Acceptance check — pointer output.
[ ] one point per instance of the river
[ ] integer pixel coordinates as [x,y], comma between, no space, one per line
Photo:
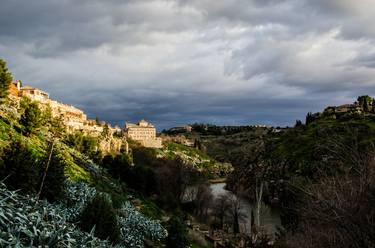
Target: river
[269,218]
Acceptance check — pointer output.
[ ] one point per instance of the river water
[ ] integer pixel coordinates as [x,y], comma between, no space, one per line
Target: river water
[269,217]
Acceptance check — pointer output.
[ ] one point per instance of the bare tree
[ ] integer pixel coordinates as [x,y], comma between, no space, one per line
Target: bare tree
[234,212]
[338,211]
[203,200]
[220,208]
[258,195]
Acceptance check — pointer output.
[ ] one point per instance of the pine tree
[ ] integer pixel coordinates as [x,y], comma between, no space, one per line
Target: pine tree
[100,214]
[365,105]
[53,188]
[31,119]
[177,234]
[309,118]
[5,79]
[20,168]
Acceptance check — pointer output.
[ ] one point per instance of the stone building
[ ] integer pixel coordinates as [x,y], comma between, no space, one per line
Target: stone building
[73,118]
[143,132]
[33,93]
[15,88]
[181,129]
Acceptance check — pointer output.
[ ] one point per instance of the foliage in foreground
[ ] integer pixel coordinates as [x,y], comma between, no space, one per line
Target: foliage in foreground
[100,214]
[177,233]
[26,222]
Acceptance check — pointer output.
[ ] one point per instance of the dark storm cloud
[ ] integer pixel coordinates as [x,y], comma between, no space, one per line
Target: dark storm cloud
[183,61]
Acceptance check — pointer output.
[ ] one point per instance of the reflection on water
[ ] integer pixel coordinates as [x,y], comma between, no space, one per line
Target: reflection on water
[270,217]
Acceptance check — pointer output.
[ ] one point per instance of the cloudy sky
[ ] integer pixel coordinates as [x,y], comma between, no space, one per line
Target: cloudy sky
[184,61]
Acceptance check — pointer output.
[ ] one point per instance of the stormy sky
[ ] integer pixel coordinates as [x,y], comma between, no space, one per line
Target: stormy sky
[174,62]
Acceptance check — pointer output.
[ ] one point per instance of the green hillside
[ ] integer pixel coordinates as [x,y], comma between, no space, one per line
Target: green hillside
[72,182]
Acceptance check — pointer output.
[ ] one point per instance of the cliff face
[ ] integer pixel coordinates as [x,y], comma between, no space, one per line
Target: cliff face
[113,145]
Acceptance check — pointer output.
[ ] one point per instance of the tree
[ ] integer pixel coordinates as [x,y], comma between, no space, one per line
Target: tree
[20,168]
[5,79]
[197,144]
[84,144]
[53,186]
[97,121]
[365,105]
[338,210]
[99,214]
[56,125]
[31,118]
[235,213]
[106,132]
[364,101]
[259,196]
[309,118]
[203,200]
[220,208]
[298,123]
[177,233]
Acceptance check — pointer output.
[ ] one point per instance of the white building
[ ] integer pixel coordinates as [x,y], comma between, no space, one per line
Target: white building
[143,132]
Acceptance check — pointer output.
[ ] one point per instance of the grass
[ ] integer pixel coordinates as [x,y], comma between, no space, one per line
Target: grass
[198,159]
[192,152]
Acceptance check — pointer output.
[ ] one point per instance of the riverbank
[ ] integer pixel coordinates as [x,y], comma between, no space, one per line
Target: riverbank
[218,180]
[269,216]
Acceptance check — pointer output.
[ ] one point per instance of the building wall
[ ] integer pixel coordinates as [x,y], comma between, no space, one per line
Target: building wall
[145,133]
[141,133]
[34,94]
[14,88]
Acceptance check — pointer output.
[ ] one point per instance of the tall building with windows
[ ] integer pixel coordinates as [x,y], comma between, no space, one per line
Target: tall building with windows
[143,132]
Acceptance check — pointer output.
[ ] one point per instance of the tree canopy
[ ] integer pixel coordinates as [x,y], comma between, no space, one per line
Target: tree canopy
[5,79]
[31,119]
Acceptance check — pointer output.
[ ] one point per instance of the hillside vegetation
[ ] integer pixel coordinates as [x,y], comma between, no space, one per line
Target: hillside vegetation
[320,174]
[50,186]
[24,157]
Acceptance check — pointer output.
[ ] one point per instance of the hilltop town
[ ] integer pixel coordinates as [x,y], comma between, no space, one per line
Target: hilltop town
[75,119]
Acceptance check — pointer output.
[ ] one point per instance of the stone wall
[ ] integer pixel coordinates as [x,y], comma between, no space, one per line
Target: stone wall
[112,145]
[152,143]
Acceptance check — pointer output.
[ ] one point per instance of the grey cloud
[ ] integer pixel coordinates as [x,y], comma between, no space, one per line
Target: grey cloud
[183,61]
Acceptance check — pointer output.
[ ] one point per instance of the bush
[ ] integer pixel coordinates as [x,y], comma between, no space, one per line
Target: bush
[31,118]
[84,144]
[20,168]
[26,222]
[135,227]
[143,156]
[117,166]
[53,188]
[139,177]
[177,231]
[99,214]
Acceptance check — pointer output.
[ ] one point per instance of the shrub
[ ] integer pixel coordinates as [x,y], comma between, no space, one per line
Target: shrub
[143,156]
[135,227]
[31,118]
[139,177]
[100,215]
[20,168]
[177,231]
[84,144]
[25,222]
[53,188]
